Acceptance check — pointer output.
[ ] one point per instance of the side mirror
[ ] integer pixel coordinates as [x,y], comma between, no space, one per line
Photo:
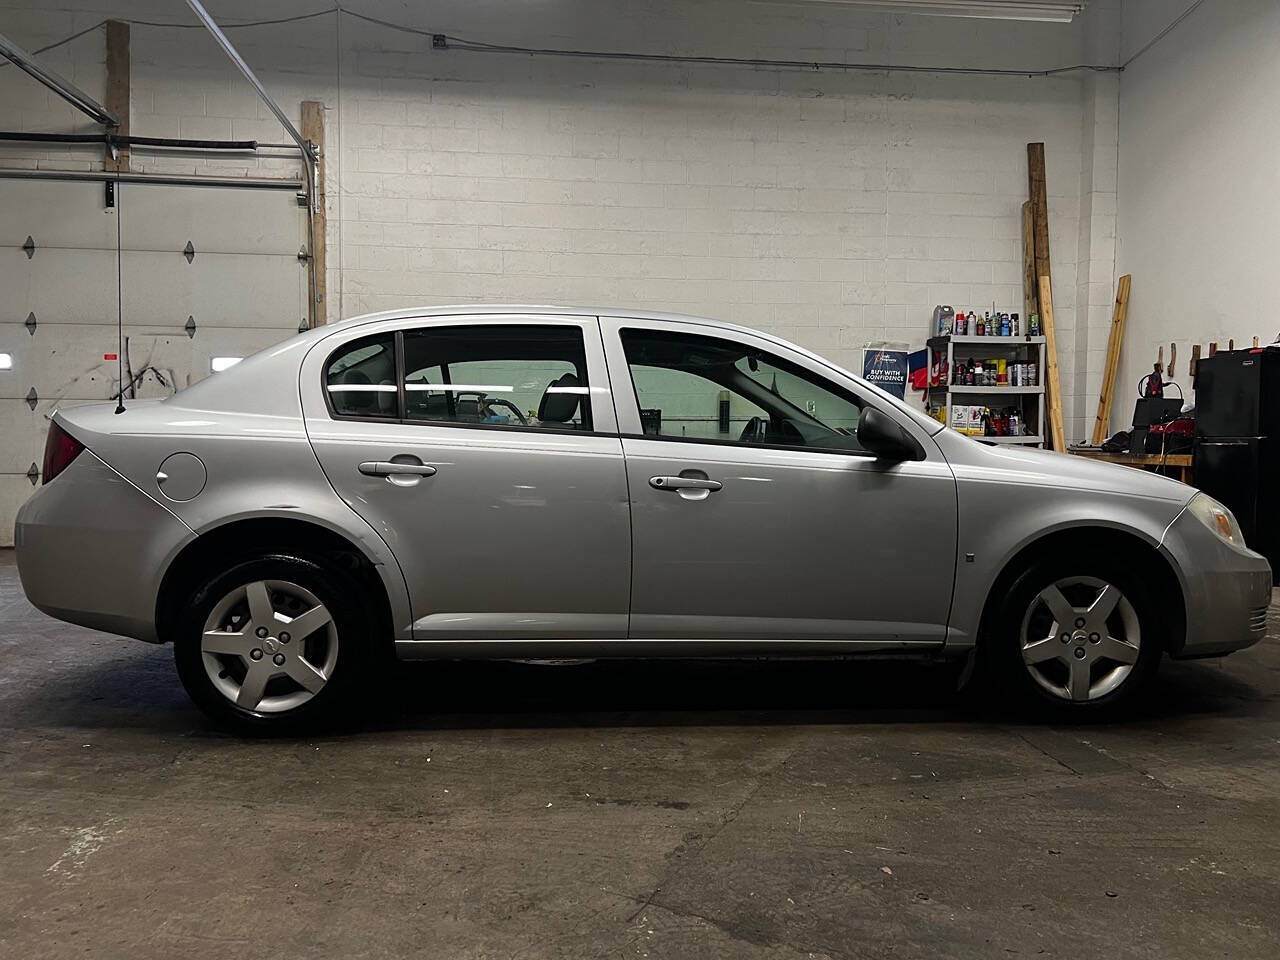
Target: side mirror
[878,434]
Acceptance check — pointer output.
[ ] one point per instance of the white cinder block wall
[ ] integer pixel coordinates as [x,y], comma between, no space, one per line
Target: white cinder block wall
[831,208]
[1199,188]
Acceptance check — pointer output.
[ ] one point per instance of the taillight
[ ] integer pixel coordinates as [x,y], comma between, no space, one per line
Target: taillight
[59,450]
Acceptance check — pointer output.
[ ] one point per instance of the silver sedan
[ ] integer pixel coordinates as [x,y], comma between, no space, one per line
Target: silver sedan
[654,485]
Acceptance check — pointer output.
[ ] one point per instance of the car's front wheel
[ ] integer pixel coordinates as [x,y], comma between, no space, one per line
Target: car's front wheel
[1078,636]
[271,644]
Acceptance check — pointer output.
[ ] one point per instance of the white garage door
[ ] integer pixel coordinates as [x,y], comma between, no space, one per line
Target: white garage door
[238,288]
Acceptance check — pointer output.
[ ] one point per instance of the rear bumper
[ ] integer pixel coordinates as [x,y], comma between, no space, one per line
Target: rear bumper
[1227,590]
[92,549]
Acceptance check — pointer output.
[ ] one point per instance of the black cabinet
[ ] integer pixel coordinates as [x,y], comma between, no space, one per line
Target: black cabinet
[1237,446]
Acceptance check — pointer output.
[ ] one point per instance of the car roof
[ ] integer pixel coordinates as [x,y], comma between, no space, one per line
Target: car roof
[473,309]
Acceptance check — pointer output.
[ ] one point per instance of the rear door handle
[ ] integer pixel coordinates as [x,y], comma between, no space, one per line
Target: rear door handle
[684,483]
[390,468]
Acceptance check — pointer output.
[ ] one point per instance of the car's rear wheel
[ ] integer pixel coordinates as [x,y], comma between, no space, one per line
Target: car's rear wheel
[273,644]
[1078,636]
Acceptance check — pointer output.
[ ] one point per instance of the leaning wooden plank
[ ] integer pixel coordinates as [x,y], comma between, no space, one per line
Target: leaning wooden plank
[1115,339]
[1039,212]
[1039,191]
[1029,286]
[1054,394]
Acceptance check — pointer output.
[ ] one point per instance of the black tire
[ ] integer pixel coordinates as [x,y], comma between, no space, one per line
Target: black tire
[1002,654]
[347,674]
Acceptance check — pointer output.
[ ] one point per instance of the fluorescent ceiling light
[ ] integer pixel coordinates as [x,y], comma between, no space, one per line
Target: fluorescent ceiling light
[6,361]
[224,363]
[1055,11]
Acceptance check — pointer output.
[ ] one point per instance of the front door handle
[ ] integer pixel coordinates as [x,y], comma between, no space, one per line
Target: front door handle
[684,483]
[390,468]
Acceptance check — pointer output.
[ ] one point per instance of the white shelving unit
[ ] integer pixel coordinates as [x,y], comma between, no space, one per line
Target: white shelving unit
[1014,349]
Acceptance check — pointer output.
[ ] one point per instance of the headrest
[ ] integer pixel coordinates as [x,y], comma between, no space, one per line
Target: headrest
[359,399]
[560,400]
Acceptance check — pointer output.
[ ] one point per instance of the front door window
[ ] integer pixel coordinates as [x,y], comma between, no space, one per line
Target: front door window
[690,387]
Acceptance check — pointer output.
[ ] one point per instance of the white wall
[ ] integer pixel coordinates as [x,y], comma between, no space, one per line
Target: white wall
[1199,189]
[831,208]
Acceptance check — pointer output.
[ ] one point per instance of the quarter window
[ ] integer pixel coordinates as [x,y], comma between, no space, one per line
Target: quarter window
[361,378]
[702,388]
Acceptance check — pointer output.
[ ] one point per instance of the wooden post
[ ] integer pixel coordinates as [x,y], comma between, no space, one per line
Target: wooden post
[1173,359]
[117,99]
[1213,347]
[1030,293]
[1195,360]
[313,132]
[1039,214]
[1102,424]
[1052,386]
[1044,287]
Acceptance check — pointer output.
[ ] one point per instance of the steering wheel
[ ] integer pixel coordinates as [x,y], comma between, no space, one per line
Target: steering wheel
[509,406]
[753,432]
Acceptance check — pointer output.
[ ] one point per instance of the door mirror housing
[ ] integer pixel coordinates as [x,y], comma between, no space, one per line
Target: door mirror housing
[880,435]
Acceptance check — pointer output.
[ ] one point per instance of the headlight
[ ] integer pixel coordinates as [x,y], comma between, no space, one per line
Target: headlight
[1217,518]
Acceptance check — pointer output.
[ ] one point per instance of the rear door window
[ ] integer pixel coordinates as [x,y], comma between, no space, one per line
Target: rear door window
[507,376]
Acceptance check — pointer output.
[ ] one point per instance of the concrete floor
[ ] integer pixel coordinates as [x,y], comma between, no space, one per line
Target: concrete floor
[659,810]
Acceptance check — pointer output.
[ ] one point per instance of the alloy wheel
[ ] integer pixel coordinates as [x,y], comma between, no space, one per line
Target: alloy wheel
[269,646]
[1080,638]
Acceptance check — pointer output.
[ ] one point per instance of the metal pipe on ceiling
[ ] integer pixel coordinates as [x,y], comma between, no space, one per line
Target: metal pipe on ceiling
[308,152]
[58,84]
[309,160]
[166,143]
[167,179]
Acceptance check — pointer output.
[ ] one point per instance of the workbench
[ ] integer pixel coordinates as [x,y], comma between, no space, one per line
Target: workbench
[1176,465]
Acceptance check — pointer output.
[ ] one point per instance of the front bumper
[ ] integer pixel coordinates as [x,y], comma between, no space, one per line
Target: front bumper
[92,549]
[1227,590]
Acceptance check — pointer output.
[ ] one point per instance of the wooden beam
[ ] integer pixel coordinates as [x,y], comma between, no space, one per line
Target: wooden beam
[1039,213]
[1195,360]
[1039,191]
[313,132]
[1052,384]
[1102,424]
[117,101]
[1030,293]
[1173,359]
